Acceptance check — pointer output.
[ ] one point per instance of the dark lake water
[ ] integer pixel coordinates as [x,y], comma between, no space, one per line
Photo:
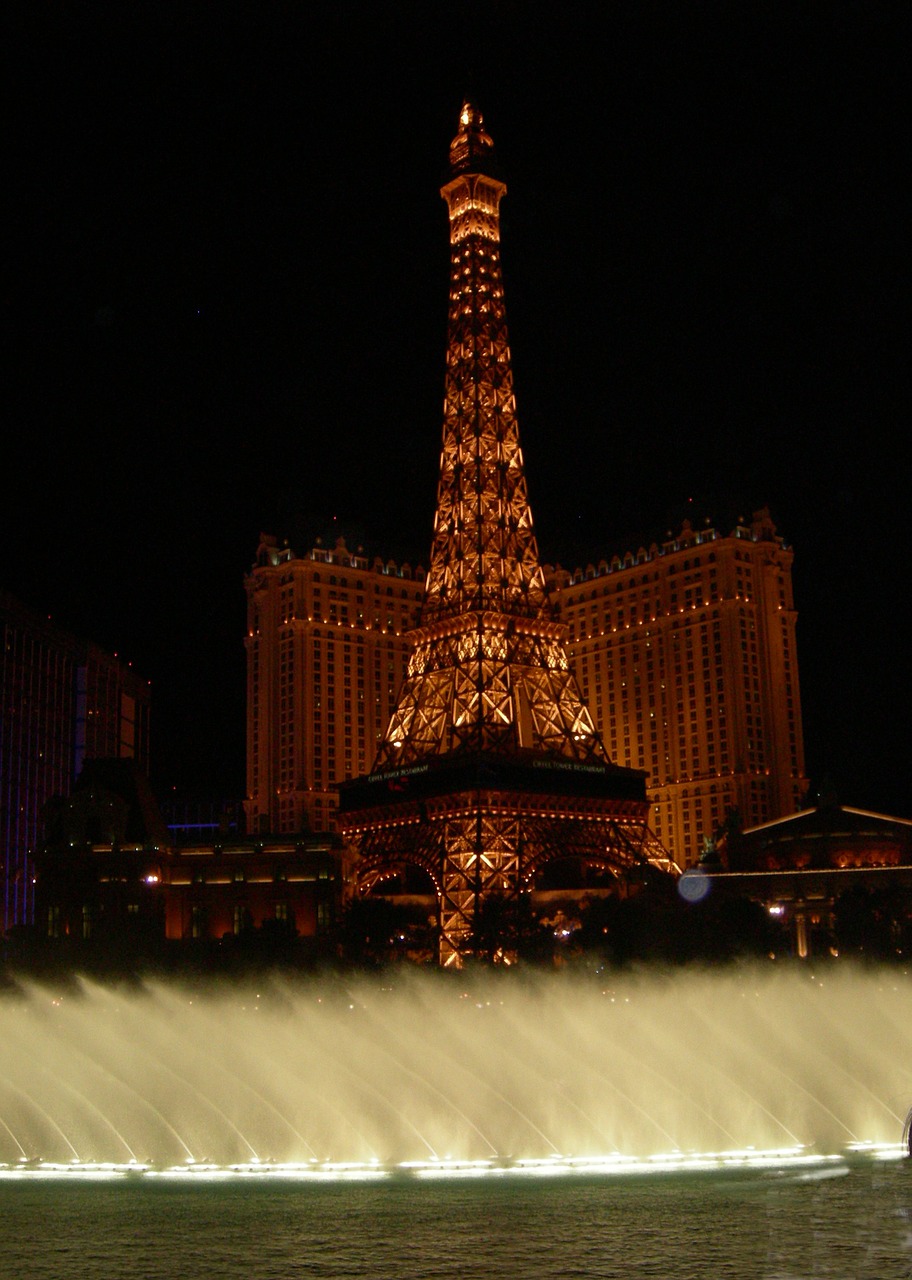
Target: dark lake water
[852,1220]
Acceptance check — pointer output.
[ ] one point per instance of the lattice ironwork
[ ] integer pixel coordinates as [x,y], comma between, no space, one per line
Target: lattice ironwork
[489,675]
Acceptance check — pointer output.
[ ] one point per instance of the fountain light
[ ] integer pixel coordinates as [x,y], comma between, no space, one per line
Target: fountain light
[561,1073]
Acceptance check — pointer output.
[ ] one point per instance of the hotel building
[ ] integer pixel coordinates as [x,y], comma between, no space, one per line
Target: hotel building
[685,653]
[326,654]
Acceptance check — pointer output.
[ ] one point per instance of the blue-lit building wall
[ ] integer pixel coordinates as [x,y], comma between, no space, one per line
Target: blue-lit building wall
[62,700]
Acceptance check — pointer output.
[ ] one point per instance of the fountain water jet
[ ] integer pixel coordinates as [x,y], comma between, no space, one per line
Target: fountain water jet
[476,1070]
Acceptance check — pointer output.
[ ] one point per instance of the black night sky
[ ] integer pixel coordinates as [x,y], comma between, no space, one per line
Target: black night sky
[225,301]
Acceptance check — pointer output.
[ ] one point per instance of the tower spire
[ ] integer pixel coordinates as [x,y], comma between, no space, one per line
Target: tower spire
[472,147]
[491,765]
[483,553]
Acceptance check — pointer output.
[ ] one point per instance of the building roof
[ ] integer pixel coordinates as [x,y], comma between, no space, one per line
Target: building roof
[830,836]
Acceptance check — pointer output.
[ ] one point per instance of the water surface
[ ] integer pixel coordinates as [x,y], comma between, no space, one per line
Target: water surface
[778,1226]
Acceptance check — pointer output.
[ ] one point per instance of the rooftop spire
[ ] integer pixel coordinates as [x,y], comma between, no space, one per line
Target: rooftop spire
[472,148]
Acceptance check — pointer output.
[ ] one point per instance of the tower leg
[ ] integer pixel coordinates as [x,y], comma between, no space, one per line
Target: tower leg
[480,860]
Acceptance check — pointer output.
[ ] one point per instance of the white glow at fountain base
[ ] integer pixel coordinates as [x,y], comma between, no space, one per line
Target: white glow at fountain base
[808,1164]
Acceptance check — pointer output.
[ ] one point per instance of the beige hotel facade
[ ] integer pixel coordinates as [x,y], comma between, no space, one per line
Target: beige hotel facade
[685,652]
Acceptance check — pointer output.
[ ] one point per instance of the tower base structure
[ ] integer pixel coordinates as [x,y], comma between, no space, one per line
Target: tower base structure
[484,825]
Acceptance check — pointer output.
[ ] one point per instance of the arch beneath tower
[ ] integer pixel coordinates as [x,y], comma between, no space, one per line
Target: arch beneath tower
[484,825]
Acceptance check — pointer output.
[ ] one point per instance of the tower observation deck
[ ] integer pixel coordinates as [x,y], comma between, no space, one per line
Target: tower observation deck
[491,765]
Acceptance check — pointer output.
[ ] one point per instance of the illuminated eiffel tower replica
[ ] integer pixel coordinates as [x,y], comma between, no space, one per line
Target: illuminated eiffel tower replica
[491,765]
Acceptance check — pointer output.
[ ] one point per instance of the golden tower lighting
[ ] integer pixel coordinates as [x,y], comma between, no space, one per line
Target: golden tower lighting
[491,765]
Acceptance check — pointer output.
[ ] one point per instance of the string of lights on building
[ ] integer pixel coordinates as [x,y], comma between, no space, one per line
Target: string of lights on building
[685,653]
